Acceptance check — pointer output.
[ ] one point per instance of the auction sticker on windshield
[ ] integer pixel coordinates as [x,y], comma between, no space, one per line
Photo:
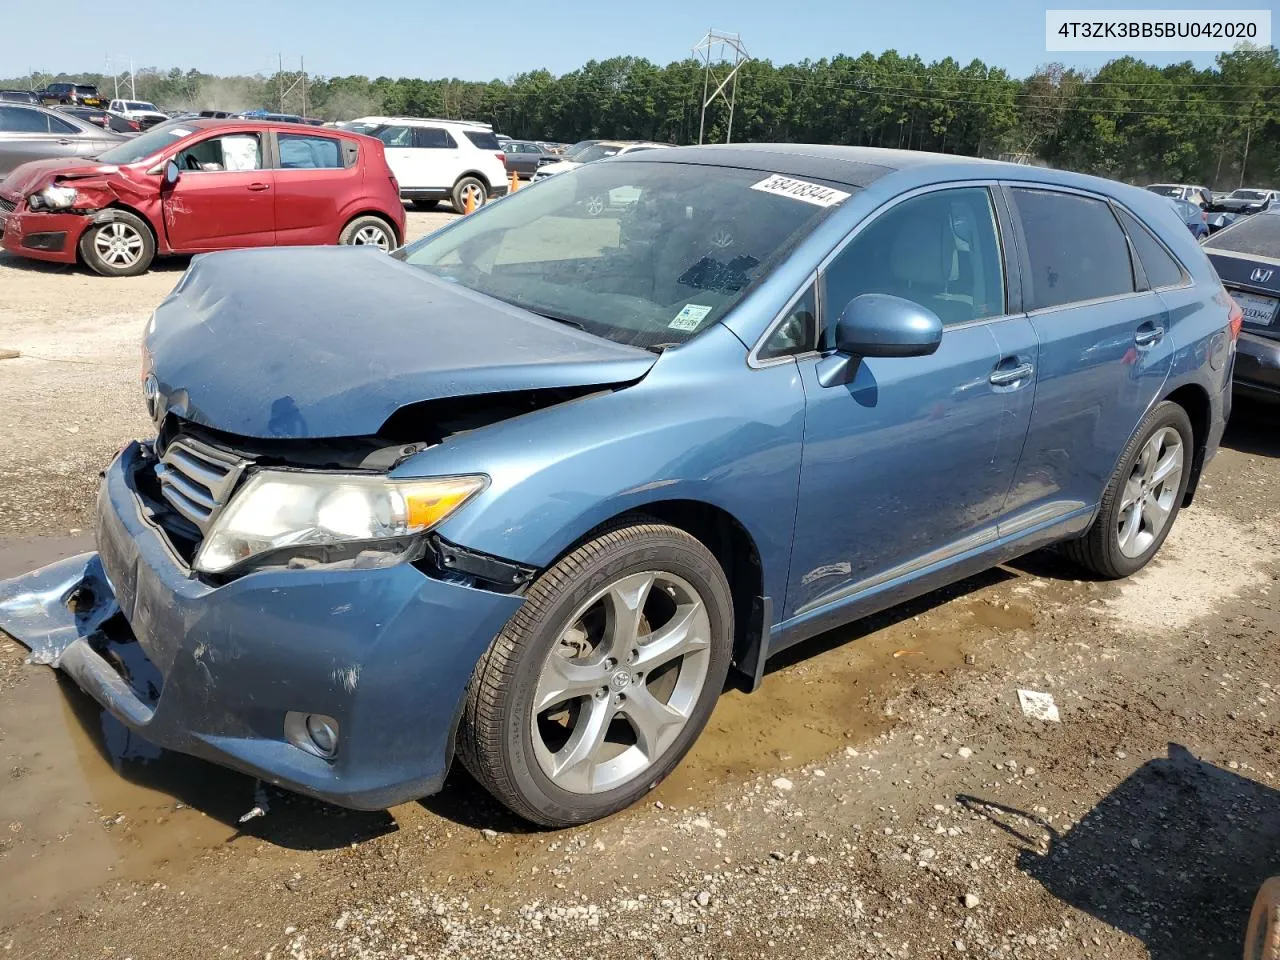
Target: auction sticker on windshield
[690,315]
[814,193]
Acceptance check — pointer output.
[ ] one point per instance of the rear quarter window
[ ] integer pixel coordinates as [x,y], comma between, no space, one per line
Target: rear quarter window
[1160,266]
[1076,250]
[483,140]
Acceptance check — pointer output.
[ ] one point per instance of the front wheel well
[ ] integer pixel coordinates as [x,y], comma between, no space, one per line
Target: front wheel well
[1195,401]
[97,216]
[735,550]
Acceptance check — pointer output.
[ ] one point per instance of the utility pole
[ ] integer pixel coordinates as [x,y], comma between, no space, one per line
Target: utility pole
[302,65]
[732,55]
[1245,162]
[133,93]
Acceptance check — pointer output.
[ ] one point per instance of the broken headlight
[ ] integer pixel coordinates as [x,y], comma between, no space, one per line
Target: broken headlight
[321,517]
[52,197]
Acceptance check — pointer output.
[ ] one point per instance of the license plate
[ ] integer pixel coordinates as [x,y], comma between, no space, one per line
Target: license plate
[1259,311]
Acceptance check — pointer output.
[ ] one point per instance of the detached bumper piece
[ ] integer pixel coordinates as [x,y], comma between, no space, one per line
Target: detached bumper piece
[228,673]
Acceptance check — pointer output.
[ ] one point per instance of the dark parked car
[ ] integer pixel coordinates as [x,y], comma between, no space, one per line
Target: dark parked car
[82,94]
[524,157]
[530,487]
[19,96]
[105,119]
[1246,256]
[34,133]
[202,186]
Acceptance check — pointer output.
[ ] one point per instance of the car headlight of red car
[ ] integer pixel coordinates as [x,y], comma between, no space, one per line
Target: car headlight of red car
[53,197]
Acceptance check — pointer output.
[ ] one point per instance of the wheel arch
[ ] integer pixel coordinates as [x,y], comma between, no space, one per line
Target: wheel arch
[488,184]
[1194,399]
[739,557]
[370,212]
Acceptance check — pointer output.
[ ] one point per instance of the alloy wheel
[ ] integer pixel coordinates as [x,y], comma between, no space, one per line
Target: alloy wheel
[118,244]
[1150,492]
[371,236]
[621,682]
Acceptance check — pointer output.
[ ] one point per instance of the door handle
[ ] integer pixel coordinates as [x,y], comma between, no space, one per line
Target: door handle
[64,142]
[259,186]
[1145,338]
[1004,378]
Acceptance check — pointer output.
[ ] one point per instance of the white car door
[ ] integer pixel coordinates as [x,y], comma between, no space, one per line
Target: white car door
[402,156]
[439,156]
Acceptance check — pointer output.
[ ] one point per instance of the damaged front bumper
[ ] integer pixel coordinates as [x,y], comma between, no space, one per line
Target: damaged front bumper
[42,235]
[214,670]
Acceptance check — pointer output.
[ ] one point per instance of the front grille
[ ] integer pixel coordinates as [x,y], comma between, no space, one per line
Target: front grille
[197,479]
[8,206]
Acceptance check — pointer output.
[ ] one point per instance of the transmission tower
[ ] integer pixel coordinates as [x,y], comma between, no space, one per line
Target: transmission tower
[720,53]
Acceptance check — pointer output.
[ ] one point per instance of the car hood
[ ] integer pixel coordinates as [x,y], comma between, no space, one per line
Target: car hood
[32,175]
[331,341]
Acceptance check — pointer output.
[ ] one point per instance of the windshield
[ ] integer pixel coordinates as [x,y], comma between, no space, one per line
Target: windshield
[640,253]
[144,145]
[594,152]
[1247,195]
[140,105]
[1165,189]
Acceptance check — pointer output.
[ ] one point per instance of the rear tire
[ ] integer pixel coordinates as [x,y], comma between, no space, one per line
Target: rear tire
[601,682]
[1142,498]
[120,247]
[368,231]
[468,185]
[426,205]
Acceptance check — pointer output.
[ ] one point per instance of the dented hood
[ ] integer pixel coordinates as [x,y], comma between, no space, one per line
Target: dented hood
[331,341]
[33,175]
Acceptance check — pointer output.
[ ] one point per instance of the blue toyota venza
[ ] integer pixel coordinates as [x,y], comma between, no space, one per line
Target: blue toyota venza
[530,488]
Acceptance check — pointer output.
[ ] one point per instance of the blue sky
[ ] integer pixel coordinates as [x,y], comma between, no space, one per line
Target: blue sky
[498,38]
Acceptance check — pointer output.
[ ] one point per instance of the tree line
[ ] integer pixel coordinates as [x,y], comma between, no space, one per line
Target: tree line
[1130,120]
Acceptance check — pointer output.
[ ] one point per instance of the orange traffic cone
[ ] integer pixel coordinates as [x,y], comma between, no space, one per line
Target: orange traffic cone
[515,182]
[469,202]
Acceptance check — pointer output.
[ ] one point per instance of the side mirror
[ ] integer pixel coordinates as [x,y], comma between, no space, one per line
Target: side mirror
[879,325]
[171,173]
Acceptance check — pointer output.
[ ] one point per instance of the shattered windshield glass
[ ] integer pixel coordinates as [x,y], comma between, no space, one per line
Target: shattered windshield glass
[642,253]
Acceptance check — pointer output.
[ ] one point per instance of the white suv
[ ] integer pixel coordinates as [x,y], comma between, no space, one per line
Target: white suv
[137,110]
[436,160]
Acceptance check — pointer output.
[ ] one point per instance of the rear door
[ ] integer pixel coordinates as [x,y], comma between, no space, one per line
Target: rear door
[439,156]
[224,195]
[32,134]
[1105,348]
[403,156]
[316,174]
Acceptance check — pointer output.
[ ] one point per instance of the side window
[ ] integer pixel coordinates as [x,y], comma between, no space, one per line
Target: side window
[1076,249]
[396,136]
[58,125]
[482,140]
[300,152]
[798,332]
[940,250]
[1161,268]
[434,138]
[21,120]
[232,153]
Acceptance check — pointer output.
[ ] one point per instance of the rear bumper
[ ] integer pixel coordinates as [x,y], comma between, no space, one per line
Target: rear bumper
[42,236]
[1257,372]
[213,670]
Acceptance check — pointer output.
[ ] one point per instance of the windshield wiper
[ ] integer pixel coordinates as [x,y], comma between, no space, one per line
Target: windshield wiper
[565,320]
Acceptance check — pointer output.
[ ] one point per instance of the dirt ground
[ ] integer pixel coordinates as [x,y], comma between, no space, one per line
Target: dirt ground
[881,796]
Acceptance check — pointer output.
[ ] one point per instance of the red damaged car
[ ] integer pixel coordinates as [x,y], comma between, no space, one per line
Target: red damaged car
[202,185]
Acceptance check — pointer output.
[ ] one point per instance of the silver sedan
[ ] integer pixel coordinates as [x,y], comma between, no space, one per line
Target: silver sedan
[33,133]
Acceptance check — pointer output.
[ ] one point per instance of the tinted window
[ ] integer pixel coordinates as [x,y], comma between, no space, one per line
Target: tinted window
[435,138]
[299,152]
[483,139]
[395,136]
[1075,247]
[1158,264]
[19,120]
[1259,234]
[86,90]
[940,250]
[798,333]
[1165,190]
[58,125]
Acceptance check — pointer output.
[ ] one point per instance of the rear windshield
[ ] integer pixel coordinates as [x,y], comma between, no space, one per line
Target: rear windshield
[86,88]
[483,139]
[1165,189]
[1258,235]
[140,105]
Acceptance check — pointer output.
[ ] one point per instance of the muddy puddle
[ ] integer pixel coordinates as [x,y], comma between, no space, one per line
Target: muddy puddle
[85,804]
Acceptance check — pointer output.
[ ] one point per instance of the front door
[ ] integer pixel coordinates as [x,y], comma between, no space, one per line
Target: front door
[909,463]
[1104,348]
[224,196]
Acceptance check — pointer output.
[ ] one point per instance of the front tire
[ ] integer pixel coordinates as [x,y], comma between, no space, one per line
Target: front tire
[368,232]
[1142,498]
[120,247]
[603,680]
[469,186]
